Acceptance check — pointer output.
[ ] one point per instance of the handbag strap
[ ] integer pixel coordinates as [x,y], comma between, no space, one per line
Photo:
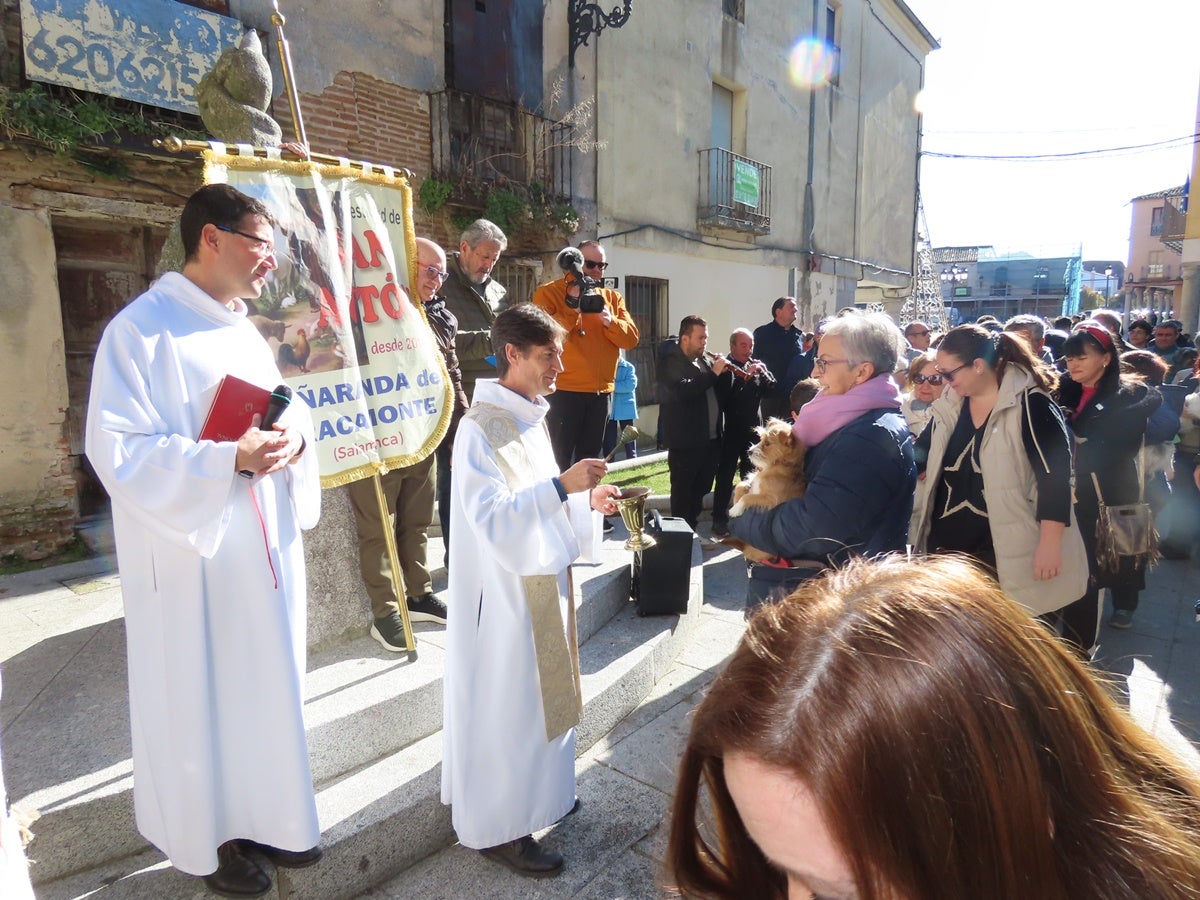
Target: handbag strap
[1142,471]
[1141,478]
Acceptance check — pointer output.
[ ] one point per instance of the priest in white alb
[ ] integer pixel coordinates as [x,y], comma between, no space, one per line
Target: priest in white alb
[211,561]
[512,683]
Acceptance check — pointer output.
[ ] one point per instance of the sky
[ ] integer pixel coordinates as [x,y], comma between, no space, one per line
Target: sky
[1032,77]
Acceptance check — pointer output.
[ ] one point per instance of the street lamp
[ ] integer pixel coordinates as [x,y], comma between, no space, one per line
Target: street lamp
[1107,276]
[954,274]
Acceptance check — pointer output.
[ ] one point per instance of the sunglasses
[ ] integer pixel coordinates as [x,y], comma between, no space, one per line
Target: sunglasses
[935,380]
[592,264]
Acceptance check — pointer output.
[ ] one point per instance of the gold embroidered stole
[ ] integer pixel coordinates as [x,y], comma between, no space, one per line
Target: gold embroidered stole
[557,650]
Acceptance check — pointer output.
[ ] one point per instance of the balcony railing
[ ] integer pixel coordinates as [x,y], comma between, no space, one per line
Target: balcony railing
[479,141]
[1174,221]
[735,192]
[1160,272]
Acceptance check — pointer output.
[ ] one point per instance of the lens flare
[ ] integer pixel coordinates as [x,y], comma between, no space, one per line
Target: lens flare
[812,62]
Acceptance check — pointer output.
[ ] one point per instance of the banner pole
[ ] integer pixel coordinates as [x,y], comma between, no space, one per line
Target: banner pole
[398,587]
[174,144]
[289,78]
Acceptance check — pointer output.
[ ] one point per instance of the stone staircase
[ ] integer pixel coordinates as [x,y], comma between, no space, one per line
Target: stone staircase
[373,718]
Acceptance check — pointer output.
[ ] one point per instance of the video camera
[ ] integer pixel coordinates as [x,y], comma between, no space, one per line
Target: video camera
[589,300]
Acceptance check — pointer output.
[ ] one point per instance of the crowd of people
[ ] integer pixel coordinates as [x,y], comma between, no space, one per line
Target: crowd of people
[994,453]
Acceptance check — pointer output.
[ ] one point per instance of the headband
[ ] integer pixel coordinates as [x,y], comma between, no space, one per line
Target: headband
[1102,335]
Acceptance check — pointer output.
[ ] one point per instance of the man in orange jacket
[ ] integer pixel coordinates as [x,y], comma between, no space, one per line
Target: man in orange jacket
[579,408]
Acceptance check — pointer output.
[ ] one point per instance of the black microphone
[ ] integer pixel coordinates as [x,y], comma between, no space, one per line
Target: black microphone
[280,398]
[571,260]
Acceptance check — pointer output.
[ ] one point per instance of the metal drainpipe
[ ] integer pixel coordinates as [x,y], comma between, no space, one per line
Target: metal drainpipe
[809,213]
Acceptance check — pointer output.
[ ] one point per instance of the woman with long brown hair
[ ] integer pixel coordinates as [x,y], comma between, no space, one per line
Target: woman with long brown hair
[997,463]
[901,729]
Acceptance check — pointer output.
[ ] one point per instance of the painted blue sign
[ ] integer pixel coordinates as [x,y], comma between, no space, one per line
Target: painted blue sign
[152,52]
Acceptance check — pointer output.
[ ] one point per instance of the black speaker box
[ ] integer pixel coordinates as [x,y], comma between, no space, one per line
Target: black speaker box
[662,574]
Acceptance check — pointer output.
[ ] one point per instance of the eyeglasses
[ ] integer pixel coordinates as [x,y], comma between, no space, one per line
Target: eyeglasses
[821,362]
[592,264]
[260,245]
[435,272]
[935,380]
[917,333]
[949,376]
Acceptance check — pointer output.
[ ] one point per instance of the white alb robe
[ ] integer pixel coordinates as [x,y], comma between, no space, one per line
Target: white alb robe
[500,775]
[216,648]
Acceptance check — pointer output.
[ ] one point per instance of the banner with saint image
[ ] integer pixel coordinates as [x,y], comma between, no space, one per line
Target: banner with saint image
[347,335]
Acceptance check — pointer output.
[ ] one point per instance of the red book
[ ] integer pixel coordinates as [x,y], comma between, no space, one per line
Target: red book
[233,409]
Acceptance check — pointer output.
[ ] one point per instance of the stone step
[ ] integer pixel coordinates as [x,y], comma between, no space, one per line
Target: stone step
[386,815]
[362,704]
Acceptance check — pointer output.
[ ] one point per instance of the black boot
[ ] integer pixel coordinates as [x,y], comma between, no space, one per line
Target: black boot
[526,856]
[237,874]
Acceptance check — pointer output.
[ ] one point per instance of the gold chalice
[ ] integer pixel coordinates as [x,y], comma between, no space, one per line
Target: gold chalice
[632,504]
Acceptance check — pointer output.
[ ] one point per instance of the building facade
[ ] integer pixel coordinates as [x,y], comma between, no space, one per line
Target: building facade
[1154,276]
[726,152]
[978,281]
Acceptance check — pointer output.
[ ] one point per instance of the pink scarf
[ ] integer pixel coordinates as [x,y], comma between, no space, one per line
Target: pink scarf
[826,413]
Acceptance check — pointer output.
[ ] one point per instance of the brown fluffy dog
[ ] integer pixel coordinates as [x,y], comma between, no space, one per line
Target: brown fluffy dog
[778,460]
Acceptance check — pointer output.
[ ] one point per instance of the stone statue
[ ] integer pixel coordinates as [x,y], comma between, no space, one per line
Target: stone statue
[233,97]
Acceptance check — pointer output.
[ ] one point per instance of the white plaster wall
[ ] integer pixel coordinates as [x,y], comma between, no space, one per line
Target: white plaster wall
[400,41]
[33,403]
[654,110]
[728,294]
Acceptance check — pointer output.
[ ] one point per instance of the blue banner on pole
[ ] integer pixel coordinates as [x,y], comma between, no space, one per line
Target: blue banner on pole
[153,53]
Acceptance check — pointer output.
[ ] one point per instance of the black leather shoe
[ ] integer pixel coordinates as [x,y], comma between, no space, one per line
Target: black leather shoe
[237,874]
[288,859]
[526,856]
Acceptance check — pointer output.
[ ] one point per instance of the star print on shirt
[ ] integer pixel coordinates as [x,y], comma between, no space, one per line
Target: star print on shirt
[973,499]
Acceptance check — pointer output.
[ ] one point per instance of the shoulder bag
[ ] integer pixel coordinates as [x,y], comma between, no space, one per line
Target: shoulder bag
[1127,529]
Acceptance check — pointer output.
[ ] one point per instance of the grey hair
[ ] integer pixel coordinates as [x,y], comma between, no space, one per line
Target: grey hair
[1025,322]
[868,337]
[483,230]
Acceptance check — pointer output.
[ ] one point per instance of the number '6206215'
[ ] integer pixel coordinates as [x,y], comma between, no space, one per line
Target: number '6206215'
[99,64]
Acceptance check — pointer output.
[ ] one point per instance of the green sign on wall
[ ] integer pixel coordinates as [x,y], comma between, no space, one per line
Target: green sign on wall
[745,183]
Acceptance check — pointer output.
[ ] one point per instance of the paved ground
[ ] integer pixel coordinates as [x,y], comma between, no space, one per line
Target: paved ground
[613,846]
[614,843]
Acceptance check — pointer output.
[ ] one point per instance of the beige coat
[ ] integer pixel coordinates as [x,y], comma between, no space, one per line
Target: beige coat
[1010,490]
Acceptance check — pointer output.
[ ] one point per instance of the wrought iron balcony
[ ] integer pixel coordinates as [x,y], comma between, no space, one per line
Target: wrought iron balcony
[479,141]
[735,192]
[1174,220]
[1160,272]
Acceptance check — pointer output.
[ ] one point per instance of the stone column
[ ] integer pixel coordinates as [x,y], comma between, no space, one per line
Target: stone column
[37,490]
[1189,299]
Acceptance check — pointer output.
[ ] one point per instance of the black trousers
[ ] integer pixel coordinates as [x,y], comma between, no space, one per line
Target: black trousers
[576,422]
[734,461]
[692,471]
[1078,623]
[443,494]
[776,408]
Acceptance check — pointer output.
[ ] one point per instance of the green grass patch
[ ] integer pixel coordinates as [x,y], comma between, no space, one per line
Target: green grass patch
[652,475]
[11,564]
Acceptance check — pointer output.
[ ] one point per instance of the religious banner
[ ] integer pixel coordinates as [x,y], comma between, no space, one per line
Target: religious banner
[347,337]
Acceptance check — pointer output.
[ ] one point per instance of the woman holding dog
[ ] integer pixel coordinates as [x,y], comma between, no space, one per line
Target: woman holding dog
[997,462]
[859,465]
